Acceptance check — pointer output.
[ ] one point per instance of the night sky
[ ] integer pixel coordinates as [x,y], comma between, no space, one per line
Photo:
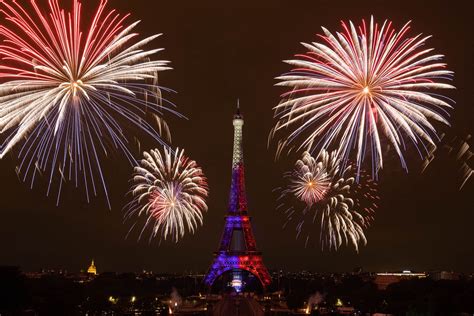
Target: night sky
[221,51]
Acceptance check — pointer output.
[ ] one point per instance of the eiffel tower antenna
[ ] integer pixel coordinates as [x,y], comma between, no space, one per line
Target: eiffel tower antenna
[237,112]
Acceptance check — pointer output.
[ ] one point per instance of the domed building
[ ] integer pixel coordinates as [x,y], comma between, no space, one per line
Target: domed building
[92,269]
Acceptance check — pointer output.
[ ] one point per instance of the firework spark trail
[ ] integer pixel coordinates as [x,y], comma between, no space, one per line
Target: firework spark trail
[69,95]
[320,200]
[359,85]
[169,190]
[457,150]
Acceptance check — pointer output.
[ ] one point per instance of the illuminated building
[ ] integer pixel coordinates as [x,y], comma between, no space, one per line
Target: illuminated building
[237,256]
[383,280]
[92,269]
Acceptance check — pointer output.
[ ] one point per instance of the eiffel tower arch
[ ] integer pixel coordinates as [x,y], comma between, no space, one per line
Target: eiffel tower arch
[238,251]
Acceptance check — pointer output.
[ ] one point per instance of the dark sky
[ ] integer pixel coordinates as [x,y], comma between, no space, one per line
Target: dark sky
[223,50]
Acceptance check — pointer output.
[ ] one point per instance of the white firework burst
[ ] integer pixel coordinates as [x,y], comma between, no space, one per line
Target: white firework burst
[333,209]
[69,96]
[361,85]
[170,191]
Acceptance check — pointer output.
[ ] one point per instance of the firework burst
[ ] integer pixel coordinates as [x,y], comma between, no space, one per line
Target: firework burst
[324,201]
[67,94]
[359,85]
[169,191]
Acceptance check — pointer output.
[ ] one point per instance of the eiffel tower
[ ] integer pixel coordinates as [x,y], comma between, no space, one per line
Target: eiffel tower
[238,252]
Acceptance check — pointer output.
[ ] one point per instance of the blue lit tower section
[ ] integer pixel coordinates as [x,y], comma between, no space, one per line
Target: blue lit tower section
[238,254]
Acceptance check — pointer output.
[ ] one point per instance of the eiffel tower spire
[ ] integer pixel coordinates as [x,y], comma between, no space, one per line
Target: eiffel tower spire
[237,197]
[238,251]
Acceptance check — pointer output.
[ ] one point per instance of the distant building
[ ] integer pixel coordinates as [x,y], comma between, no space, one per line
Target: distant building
[445,275]
[346,310]
[383,280]
[92,269]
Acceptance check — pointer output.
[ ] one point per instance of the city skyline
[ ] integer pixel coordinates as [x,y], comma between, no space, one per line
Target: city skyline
[422,222]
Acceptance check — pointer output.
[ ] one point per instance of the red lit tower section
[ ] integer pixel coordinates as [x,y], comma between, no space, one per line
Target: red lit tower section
[238,250]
